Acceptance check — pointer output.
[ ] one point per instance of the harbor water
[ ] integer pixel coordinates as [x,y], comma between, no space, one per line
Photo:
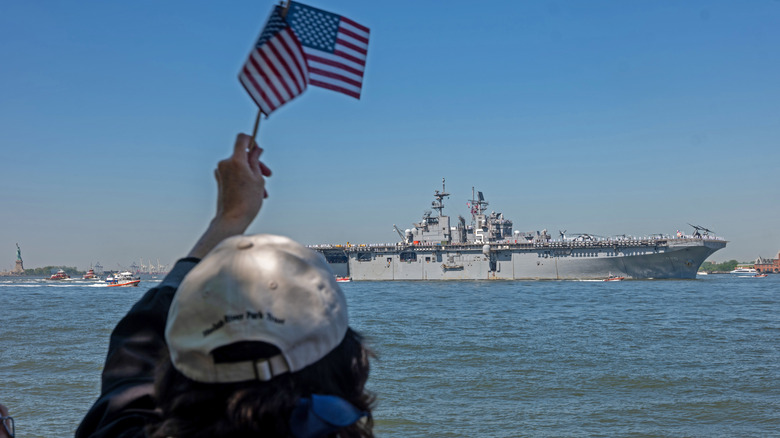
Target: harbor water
[671,358]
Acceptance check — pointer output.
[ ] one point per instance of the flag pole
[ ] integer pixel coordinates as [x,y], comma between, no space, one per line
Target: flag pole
[257,125]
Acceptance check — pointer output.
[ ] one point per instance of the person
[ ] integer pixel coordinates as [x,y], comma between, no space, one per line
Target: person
[246,336]
[7,430]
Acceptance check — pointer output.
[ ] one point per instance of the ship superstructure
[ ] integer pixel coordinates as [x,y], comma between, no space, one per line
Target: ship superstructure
[437,248]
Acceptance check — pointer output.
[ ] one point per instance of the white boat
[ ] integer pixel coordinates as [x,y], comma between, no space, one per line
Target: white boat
[120,279]
[744,271]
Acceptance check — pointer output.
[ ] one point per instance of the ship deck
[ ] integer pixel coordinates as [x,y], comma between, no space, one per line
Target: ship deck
[514,245]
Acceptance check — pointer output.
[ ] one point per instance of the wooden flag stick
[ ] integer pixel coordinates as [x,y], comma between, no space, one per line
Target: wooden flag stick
[257,125]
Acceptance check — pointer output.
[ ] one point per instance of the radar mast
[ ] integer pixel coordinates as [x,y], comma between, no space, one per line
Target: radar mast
[438,204]
[477,204]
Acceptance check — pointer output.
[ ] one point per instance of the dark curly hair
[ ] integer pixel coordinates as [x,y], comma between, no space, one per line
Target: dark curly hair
[262,409]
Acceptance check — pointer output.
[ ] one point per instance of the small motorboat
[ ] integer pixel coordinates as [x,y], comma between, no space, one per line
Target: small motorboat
[121,279]
[760,275]
[60,275]
[614,278]
[343,279]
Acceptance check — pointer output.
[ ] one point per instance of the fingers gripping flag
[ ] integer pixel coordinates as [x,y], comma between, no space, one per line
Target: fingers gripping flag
[302,45]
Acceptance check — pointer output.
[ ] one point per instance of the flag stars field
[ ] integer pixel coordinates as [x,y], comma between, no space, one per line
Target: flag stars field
[318,29]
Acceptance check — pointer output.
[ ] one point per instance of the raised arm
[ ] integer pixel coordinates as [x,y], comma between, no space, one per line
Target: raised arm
[126,401]
[241,184]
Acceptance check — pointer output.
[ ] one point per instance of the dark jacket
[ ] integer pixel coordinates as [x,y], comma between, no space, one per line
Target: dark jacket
[126,403]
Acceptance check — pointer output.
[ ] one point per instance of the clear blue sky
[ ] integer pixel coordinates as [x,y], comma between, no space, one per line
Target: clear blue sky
[607,117]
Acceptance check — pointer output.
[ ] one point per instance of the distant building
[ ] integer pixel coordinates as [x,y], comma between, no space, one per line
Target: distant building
[768,265]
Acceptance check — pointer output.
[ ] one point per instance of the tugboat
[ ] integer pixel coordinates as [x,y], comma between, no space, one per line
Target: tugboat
[60,275]
[121,279]
[90,275]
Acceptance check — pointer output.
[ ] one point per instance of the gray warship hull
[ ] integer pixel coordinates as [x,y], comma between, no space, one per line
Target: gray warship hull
[640,259]
[488,249]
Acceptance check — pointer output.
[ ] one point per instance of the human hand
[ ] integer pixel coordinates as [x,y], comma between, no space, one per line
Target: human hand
[240,194]
[241,184]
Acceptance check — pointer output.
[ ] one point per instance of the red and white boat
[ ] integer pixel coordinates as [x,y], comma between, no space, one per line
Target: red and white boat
[121,279]
[614,278]
[90,275]
[343,279]
[760,275]
[60,275]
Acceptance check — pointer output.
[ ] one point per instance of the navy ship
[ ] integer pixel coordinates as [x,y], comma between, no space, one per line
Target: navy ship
[439,248]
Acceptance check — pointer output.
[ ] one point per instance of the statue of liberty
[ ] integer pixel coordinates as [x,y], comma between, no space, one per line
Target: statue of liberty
[19,268]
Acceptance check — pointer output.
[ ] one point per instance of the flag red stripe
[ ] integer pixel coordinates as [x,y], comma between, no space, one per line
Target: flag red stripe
[347,56]
[354,35]
[295,53]
[335,88]
[338,77]
[352,23]
[259,89]
[263,107]
[279,76]
[274,89]
[335,64]
[276,70]
[352,46]
[262,74]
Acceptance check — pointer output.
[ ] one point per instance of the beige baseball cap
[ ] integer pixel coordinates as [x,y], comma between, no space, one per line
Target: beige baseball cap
[255,288]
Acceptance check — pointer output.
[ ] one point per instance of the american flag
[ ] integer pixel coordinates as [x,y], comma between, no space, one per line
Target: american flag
[335,48]
[276,70]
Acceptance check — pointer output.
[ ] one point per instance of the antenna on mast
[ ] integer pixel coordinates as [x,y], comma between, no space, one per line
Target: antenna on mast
[438,204]
[477,204]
